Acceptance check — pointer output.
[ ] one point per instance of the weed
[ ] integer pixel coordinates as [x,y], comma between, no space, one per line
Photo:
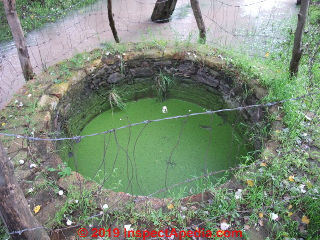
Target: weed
[115,100]
[163,82]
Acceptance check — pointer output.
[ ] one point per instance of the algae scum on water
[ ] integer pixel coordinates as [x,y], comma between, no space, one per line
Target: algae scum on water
[146,158]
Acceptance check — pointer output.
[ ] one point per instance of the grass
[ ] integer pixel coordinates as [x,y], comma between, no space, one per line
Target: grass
[34,14]
[286,184]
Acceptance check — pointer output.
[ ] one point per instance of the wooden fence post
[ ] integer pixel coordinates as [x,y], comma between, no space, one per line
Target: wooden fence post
[197,14]
[163,10]
[14,208]
[18,37]
[111,22]
[297,50]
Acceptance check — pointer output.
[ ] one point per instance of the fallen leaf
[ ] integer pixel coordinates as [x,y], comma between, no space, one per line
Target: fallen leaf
[290,206]
[263,164]
[267,54]
[261,215]
[291,178]
[290,214]
[3,124]
[37,209]
[250,183]
[305,220]
[170,206]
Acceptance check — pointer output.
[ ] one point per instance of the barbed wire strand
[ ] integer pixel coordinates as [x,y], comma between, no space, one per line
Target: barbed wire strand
[241,108]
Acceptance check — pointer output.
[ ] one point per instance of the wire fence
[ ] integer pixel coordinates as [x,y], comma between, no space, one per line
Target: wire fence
[229,23]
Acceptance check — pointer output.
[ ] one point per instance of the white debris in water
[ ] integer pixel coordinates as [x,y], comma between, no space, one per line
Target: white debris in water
[60,192]
[33,165]
[164,109]
[21,162]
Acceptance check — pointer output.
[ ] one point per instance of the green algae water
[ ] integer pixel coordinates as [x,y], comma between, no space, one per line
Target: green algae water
[144,159]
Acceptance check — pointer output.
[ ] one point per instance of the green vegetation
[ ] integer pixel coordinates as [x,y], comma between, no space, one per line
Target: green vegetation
[280,190]
[163,82]
[34,14]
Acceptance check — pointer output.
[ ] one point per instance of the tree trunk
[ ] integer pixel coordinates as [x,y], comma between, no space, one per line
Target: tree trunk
[297,51]
[14,209]
[298,2]
[111,22]
[163,10]
[197,14]
[17,33]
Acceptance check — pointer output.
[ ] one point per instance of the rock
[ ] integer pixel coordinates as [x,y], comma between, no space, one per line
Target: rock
[204,77]
[43,120]
[48,211]
[74,179]
[23,174]
[115,77]
[47,102]
[186,69]
[109,60]
[141,72]
[77,76]
[59,90]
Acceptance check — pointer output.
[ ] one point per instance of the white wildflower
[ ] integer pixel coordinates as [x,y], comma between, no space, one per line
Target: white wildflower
[105,206]
[238,194]
[21,162]
[20,104]
[30,190]
[128,227]
[16,101]
[90,225]
[274,216]
[189,110]
[107,53]
[164,109]
[29,95]
[33,165]
[69,222]
[76,201]
[301,187]
[224,226]
[60,192]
